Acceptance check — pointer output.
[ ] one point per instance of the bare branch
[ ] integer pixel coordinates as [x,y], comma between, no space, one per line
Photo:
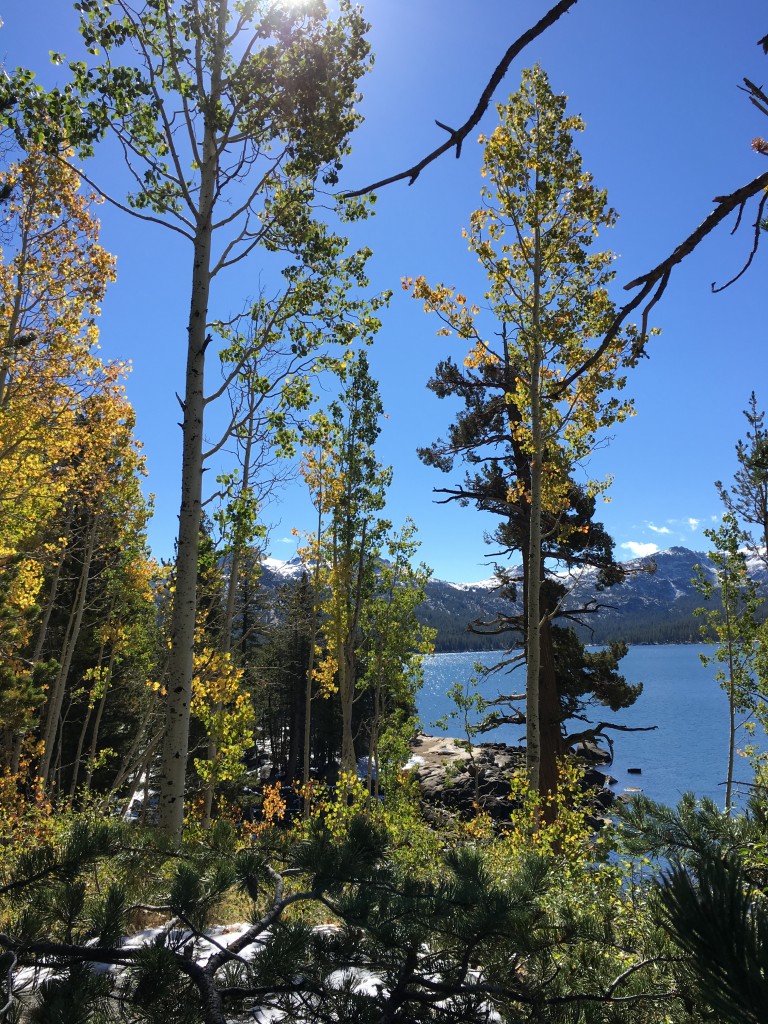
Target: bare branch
[658,277]
[458,135]
[129,209]
[725,206]
[755,244]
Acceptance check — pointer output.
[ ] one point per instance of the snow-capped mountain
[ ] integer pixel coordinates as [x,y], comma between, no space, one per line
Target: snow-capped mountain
[653,605]
[279,570]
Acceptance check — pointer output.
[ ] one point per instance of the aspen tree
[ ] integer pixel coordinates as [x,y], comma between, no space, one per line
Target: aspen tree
[548,296]
[348,484]
[231,115]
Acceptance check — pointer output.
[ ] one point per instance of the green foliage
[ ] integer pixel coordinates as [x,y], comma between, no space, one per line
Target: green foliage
[367,641]
[160,991]
[735,628]
[747,497]
[709,897]
[79,996]
[540,380]
[528,922]
[722,923]
[695,827]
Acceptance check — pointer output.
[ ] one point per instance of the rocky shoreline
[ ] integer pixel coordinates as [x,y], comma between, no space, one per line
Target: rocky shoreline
[453,780]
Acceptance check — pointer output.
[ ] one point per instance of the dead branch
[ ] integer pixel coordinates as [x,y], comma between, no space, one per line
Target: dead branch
[755,244]
[725,206]
[456,136]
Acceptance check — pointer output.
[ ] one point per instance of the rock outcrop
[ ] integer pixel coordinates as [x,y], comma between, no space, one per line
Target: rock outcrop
[453,780]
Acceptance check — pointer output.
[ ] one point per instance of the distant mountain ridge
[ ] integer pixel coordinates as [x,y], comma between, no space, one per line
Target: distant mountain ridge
[649,607]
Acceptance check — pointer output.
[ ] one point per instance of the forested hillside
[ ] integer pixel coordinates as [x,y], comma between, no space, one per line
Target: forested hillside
[654,604]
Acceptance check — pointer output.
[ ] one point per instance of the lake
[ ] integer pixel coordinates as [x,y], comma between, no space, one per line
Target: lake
[687,751]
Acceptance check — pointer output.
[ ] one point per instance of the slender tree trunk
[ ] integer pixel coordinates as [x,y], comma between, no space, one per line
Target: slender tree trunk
[372,779]
[126,765]
[308,706]
[173,765]
[97,722]
[727,598]
[731,736]
[52,593]
[14,320]
[79,752]
[181,663]
[226,647]
[551,744]
[238,545]
[347,693]
[311,661]
[56,698]
[83,731]
[533,611]
[348,660]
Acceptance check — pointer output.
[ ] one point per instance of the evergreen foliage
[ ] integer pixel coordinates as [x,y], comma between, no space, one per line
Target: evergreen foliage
[494,926]
[711,897]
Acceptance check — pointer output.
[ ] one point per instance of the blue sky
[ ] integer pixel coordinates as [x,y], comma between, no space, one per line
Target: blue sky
[667,130]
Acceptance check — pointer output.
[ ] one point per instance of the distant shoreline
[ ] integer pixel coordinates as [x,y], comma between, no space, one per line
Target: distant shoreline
[644,643]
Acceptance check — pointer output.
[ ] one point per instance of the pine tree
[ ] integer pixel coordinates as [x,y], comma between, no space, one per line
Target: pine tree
[747,496]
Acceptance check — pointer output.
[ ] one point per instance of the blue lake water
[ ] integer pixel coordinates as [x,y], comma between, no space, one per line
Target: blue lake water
[687,751]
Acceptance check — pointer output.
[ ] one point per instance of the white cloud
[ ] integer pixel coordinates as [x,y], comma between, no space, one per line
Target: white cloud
[693,523]
[658,529]
[285,540]
[640,550]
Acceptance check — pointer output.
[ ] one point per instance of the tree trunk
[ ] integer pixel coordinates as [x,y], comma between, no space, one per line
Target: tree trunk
[52,593]
[311,662]
[372,774]
[83,732]
[180,669]
[348,661]
[126,765]
[347,695]
[728,599]
[551,743]
[173,765]
[533,610]
[56,698]
[238,546]
[97,722]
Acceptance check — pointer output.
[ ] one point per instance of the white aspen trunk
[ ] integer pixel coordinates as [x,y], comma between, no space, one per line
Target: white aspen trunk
[180,667]
[181,662]
[173,763]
